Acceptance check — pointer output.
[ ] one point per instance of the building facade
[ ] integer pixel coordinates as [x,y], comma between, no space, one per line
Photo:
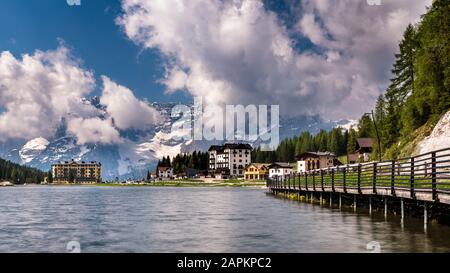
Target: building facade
[229,159]
[256,171]
[280,170]
[364,148]
[313,161]
[165,173]
[72,172]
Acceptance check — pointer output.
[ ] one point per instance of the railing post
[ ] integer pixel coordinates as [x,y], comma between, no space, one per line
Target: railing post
[306,181]
[411,180]
[299,182]
[393,178]
[321,179]
[293,181]
[344,183]
[433,176]
[359,178]
[332,179]
[314,180]
[374,180]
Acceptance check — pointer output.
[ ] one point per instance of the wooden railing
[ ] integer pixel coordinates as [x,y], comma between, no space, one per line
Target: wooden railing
[428,172]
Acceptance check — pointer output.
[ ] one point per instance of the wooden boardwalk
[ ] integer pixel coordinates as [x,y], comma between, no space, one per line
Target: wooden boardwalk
[424,178]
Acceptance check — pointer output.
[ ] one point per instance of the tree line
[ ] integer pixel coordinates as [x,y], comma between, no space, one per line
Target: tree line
[338,141]
[196,160]
[18,174]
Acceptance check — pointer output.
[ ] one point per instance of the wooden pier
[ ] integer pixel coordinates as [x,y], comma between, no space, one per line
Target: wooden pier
[423,180]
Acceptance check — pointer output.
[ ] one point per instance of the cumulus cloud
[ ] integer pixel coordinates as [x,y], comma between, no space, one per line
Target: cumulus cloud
[126,110]
[38,90]
[239,52]
[93,130]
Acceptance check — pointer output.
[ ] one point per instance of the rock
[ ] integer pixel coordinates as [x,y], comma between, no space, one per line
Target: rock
[439,138]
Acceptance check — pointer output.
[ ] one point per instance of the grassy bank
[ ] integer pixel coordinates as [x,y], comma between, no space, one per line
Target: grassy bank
[190,183]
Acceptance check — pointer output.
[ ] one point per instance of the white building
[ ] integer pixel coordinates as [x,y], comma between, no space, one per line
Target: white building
[165,172]
[229,159]
[280,170]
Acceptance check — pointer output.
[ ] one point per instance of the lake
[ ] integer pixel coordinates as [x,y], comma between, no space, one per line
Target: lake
[146,219]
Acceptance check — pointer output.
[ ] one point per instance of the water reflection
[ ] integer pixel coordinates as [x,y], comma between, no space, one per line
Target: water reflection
[102,219]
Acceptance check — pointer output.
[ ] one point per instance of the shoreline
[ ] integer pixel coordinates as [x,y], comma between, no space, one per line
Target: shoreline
[166,184]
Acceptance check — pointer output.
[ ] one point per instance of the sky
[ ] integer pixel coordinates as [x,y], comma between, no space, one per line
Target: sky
[312,57]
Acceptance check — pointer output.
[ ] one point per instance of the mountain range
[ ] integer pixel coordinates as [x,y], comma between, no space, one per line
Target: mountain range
[141,149]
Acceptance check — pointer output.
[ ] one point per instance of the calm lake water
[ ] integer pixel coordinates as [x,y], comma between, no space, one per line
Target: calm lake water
[136,219]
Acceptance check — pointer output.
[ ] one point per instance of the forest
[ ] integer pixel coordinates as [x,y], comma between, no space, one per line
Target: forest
[18,174]
[196,160]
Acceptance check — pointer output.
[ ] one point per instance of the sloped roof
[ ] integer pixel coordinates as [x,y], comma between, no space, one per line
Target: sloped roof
[231,146]
[365,142]
[163,169]
[258,165]
[316,154]
[280,165]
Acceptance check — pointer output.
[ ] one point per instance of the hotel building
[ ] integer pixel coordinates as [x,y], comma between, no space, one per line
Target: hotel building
[229,159]
[77,172]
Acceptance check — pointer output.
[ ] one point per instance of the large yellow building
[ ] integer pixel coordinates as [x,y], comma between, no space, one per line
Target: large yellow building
[256,171]
[77,172]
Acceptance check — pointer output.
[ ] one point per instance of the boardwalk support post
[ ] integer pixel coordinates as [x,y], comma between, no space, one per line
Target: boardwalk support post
[425,215]
[354,202]
[370,205]
[385,207]
[340,201]
[331,200]
[402,207]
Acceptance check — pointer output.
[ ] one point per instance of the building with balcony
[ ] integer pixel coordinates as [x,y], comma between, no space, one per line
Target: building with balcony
[229,160]
[257,171]
[72,172]
[316,160]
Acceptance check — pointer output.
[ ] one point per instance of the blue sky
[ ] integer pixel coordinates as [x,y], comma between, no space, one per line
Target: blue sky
[326,58]
[90,32]
[93,36]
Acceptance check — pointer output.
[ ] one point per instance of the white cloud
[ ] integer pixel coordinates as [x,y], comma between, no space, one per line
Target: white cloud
[238,52]
[93,130]
[126,110]
[37,91]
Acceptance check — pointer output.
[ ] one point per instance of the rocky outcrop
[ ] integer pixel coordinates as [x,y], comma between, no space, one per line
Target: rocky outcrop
[439,138]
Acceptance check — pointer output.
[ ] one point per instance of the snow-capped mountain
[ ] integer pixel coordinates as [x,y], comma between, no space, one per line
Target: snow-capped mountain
[140,150]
